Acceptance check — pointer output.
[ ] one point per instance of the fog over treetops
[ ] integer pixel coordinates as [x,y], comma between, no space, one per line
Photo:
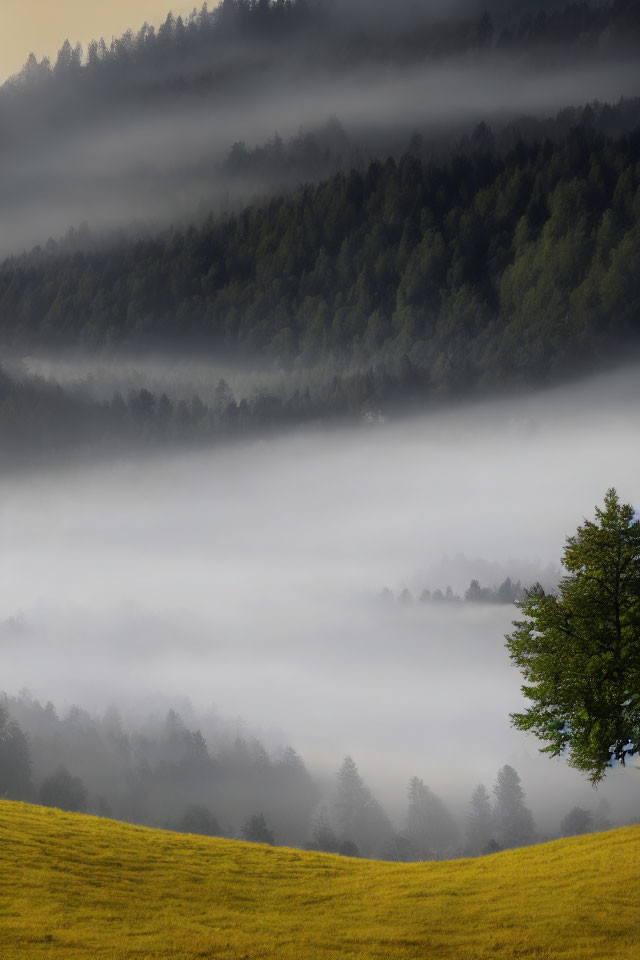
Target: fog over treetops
[139,129]
[249,577]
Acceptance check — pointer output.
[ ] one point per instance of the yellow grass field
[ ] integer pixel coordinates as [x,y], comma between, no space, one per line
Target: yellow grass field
[81,888]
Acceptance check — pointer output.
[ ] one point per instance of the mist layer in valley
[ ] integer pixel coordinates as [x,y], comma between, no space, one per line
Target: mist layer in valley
[249,577]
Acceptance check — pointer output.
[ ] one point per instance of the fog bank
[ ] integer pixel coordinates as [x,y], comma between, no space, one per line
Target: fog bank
[248,577]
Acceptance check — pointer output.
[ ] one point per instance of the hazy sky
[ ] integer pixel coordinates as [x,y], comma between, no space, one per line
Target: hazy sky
[41,26]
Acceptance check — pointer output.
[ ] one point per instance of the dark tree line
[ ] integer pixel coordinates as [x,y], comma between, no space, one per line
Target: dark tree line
[508,591]
[42,422]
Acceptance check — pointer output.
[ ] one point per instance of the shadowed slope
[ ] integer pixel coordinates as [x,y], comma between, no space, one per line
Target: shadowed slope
[75,887]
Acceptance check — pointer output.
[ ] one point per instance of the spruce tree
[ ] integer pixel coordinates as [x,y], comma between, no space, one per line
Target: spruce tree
[514,820]
[480,823]
[323,836]
[431,830]
[15,759]
[359,817]
[256,830]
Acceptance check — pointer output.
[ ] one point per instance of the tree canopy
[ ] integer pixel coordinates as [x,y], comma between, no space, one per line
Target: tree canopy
[579,649]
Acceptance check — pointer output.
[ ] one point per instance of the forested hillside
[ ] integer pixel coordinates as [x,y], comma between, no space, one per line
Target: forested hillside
[487,268]
[369,208]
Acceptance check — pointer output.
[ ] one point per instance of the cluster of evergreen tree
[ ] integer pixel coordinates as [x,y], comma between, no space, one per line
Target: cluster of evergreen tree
[200,55]
[164,772]
[185,53]
[161,772]
[507,592]
[507,822]
[330,148]
[198,70]
[581,820]
[40,421]
[483,270]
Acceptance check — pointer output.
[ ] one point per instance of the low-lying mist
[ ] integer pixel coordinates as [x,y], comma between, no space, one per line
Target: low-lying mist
[249,577]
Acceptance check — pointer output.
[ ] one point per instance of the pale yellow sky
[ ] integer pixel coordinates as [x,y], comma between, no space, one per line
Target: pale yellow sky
[42,25]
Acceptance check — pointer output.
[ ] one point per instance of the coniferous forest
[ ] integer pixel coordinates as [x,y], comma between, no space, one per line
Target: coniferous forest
[489,267]
[410,282]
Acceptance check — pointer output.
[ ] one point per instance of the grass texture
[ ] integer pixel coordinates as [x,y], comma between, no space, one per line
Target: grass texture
[76,887]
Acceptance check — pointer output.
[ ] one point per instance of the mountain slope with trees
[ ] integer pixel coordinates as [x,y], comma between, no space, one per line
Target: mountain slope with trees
[486,269]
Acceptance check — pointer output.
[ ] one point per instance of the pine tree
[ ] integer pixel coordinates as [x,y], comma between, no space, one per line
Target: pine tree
[480,823]
[431,830]
[352,798]
[514,820]
[15,759]
[359,817]
[256,830]
[323,836]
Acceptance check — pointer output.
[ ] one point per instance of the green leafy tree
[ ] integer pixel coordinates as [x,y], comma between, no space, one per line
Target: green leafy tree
[579,649]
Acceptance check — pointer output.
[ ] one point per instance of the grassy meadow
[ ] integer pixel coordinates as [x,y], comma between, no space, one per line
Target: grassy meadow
[82,888]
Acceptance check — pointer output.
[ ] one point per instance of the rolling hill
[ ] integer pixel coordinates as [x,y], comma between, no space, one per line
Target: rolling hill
[75,886]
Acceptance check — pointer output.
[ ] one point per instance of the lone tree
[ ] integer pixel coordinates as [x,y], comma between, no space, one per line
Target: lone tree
[579,649]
